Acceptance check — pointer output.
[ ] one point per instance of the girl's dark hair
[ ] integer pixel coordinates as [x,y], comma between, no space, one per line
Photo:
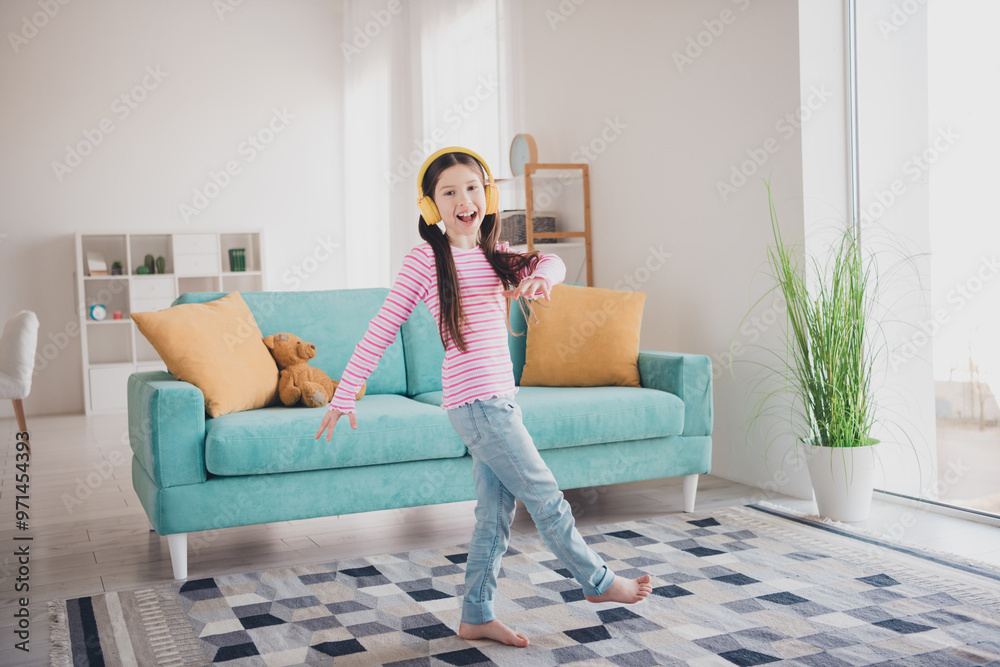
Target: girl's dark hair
[506,264]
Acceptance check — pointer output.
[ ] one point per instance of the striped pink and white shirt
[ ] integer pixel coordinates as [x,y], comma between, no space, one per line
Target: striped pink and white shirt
[485,369]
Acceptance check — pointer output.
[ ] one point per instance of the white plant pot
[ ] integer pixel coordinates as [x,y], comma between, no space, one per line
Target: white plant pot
[843,479]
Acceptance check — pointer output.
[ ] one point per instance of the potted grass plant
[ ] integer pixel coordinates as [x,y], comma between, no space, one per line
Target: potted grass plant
[825,369]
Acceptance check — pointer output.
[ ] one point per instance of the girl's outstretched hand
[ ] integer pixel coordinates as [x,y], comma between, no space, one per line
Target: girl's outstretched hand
[529,289]
[330,421]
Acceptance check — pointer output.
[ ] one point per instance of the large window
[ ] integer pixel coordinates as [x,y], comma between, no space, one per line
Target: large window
[927,142]
[963,62]
[460,76]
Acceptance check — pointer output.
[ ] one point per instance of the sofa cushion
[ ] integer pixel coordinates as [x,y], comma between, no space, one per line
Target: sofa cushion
[570,416]
[391,429]
[217,347]
[332,320]
[586,337]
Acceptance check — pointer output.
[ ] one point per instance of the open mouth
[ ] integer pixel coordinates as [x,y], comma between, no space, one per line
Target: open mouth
[468,217]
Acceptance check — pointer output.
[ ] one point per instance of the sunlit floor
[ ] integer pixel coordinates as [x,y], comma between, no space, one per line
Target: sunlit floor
[91,534]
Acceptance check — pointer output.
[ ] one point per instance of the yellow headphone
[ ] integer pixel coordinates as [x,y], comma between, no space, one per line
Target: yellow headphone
[426,205]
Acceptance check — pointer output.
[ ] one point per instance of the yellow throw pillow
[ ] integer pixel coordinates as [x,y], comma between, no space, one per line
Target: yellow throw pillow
[218,347]
[585,337]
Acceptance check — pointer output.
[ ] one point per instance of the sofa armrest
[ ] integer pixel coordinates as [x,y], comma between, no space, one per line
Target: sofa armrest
[687,376]
[166,428]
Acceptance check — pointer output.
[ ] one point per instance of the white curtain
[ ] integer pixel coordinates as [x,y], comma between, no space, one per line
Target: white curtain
[367,50]
[459,70]
[418,76]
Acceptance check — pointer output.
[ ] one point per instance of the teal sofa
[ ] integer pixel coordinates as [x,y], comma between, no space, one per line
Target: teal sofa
[193,473]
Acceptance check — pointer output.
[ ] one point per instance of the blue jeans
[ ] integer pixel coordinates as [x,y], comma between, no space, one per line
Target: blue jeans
[505,465]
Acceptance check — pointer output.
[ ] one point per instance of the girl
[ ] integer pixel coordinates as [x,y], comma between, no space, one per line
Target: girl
[462,273]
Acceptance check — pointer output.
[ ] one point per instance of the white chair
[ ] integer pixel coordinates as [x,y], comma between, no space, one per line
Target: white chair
[17,362]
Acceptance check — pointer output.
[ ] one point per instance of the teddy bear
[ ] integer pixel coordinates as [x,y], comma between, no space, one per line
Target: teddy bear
[297,379]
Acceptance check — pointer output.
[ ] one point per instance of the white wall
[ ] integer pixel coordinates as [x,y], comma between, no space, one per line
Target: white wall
[681,132]
[223,75]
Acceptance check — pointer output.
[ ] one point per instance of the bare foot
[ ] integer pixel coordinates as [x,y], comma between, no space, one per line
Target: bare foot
[624,590]
[492,630]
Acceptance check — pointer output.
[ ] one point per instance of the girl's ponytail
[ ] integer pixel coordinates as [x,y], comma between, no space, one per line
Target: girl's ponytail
[449,300]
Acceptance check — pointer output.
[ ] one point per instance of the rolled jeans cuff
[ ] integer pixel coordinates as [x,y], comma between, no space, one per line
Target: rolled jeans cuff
[601,586]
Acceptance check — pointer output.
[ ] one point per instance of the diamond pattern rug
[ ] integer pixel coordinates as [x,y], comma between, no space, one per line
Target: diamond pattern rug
[738,586]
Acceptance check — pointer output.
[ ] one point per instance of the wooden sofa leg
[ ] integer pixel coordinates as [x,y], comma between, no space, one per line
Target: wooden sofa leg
[178,554]
[22,424]
[690,490]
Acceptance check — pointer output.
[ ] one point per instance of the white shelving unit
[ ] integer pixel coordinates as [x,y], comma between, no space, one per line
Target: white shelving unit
[113,349]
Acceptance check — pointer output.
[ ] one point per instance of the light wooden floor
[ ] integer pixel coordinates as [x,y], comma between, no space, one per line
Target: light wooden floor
[92,538]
